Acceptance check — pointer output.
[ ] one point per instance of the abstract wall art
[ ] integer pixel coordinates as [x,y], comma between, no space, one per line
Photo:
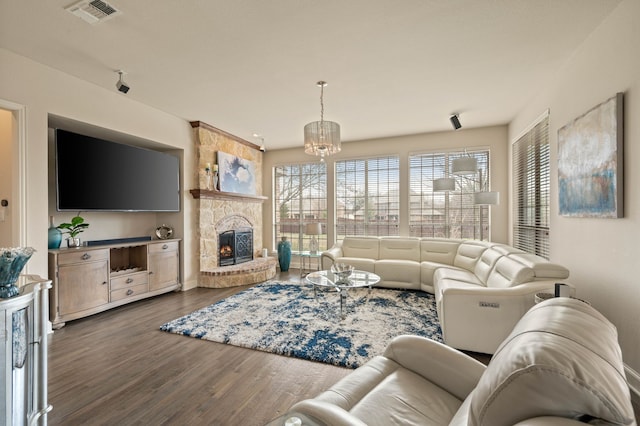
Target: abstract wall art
[236,174]
[590,164]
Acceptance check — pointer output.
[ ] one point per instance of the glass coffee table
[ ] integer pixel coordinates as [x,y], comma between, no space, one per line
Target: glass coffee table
[328,280]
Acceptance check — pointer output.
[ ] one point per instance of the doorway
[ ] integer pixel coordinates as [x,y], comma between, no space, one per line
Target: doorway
[12,175]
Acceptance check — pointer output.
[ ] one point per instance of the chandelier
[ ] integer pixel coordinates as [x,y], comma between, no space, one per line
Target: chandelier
[322,138]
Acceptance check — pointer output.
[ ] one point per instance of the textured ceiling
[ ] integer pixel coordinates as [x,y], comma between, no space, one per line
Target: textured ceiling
[250,66]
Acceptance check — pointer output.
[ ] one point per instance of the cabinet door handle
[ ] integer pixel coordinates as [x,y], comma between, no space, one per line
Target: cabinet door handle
[165,246]
[129,292]
[104,283]
[86,256]
[150,272]
[129,280]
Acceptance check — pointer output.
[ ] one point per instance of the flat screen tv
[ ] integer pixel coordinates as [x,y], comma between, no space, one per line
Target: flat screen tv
[98,175]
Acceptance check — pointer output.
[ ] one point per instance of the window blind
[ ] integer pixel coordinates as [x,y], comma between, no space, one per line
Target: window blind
[531,187]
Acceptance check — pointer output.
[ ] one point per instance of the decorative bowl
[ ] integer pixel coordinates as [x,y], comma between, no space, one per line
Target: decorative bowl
[342,271]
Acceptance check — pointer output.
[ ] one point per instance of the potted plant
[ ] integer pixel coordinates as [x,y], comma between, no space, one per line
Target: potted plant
[76,227]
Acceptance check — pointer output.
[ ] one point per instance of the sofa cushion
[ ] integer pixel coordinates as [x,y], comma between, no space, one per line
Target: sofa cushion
[543,269]
[468,254]
[438,250]
[399,248]
[455,274]
[360,263]
[561,359]
[364,247]
[486,263]
[509,272]
[383,386]
[398,273]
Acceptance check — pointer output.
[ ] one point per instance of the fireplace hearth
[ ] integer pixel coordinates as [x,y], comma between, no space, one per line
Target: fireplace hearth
[235,246]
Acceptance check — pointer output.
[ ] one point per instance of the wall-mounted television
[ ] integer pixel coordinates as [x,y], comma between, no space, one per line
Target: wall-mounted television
[98,175]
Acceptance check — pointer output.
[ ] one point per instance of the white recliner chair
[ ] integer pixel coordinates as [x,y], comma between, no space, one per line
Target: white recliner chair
[561,365]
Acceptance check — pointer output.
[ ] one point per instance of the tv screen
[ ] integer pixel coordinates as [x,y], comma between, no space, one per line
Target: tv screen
[99,175]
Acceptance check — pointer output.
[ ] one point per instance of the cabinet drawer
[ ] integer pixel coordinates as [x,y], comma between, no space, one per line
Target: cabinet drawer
[129,280]
[163,246]
[81,256]
[125,293]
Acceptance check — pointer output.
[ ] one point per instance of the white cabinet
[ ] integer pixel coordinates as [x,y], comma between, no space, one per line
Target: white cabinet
[23,363]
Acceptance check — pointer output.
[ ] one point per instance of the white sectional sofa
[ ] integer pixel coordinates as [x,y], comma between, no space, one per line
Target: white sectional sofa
[482,289]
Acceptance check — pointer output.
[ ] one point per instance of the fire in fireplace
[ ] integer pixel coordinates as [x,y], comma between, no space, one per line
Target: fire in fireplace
[235,246]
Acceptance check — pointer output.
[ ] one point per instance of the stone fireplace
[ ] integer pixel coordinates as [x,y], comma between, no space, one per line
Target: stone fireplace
[220,212]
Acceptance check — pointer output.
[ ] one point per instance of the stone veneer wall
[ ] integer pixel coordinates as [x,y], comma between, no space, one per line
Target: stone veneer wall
[213,211]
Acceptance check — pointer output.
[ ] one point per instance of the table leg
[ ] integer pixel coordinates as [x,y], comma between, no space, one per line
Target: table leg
[343,303]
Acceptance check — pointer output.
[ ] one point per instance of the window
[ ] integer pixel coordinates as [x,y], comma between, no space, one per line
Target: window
[450,214]
[367,197]
[300,197]
[531,190]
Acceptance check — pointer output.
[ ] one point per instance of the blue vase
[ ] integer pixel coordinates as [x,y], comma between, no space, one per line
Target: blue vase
[284,254]
[55,235]
[12,260]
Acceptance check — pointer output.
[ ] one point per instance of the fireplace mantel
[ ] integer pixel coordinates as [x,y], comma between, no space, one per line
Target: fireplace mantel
[231,196]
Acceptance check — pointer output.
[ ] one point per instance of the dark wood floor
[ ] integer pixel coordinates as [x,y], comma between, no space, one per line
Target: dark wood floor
[118,368]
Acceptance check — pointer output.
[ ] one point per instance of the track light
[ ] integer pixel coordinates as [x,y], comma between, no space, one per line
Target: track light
[455,121]
[121,85]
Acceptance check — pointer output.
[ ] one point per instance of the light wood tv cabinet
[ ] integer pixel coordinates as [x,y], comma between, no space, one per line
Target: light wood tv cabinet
[92,279]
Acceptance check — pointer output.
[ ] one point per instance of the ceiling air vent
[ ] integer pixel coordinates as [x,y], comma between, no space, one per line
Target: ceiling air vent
[93,11]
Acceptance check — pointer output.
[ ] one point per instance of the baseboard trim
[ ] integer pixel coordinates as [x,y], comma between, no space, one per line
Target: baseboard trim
[633,378]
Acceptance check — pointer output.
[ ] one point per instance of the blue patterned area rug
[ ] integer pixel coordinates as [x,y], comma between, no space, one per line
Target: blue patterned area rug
[286,319]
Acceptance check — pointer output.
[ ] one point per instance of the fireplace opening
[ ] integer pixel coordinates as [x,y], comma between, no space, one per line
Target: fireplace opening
[235,246]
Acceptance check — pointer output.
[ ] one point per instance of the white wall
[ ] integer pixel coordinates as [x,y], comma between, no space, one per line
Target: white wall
[6,154]
[44,92]
[495,138]
[600,253]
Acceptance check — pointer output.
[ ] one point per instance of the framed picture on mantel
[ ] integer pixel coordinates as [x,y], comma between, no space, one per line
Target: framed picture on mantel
[590,162]
[237,174]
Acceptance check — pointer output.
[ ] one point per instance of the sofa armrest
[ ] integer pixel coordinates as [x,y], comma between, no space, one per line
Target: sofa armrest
[452,370]
[478,318]
[328,257]
[325,413]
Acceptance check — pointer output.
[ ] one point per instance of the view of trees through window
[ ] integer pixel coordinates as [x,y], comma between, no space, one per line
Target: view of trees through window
[367,197]
[300,197]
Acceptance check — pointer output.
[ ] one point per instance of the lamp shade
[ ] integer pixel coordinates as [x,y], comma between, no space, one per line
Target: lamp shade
[486,198]
[322,138]
[444,184]
[313,229]
[464,166]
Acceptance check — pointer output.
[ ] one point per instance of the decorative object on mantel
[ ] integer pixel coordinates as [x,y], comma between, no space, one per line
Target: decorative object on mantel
[211,177]
[54,235]
[74,228]
[164,232]
[322,138]
[236,174]
[12,261]
[590,162]
[284,254]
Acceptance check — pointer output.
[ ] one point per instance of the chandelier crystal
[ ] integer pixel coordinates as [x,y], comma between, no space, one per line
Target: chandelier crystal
[322,138]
